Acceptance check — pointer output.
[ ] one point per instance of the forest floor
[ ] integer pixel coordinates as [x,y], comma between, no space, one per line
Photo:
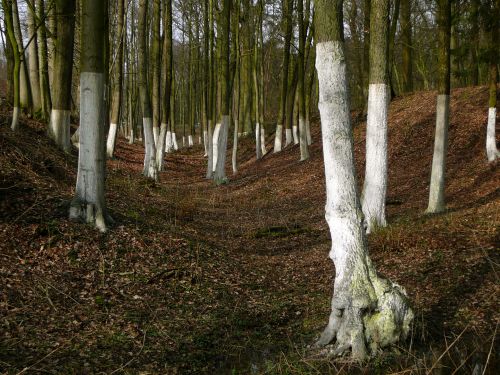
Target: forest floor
[198,278]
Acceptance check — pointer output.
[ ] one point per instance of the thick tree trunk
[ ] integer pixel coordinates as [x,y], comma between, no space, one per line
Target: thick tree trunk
[150,167]
[116,104]
[156,70]
[59,124]
[437,185]
[89,202]
[368,311]
[375,183]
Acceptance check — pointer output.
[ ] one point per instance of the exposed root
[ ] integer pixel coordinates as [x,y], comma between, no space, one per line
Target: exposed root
[365,329]
[89,213]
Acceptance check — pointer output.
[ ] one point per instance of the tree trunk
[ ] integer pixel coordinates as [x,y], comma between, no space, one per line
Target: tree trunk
[290,104]
[59,124]
[156,71]
[437,185]
[368,311]
[304,151]
[150,167]
[224,81]
[287,22]
[89,201]
[209,34]
[165,140]
[375,184]
[9,26]
[24,82]
[491,144]
[116,104]
[43,62]
[33,59]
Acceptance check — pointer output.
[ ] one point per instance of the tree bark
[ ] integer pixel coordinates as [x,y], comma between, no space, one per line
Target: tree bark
[304,151]
[375,183]
[368,311]
[43,62]
[437,185]
[156,71]
[24,81]
[89,202]
[150,167]
[59,124]
[33,59]
[406,40]
[491,144]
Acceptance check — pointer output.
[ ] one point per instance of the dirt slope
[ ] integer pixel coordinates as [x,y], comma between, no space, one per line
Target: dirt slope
[202,279]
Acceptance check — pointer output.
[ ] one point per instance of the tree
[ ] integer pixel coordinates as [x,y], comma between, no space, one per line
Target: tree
[33,59]
[304,152]
[494,26]
[59,125]
[9,26]
[368,311]
[287,6]
[24,82]
[89,202]
[43,61]
[437,185]
[375,184]
[117,89]
[225,84]
[150,167]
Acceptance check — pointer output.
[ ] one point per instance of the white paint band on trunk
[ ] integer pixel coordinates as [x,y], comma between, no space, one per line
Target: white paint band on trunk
[174,141]
[169,145]
[295,135]
[190,141]
[59,126]
[288,137]
[15,119]
[215,146]
[278,138]
[375,184]
[110,142]
[491,142]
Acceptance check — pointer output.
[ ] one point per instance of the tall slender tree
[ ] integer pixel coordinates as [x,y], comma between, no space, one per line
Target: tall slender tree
[33,58]
[43,60]
[368,311]
[493,54]
[150,167]
[407,48]
[304,151]
[225,84]
[117,89]
[89,202]
[437,185]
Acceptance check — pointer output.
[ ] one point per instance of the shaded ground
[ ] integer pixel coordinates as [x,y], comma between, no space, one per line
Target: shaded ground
[202,279]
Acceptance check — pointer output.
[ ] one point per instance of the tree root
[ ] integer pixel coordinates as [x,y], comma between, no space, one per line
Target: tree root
[90,213]
[366,329]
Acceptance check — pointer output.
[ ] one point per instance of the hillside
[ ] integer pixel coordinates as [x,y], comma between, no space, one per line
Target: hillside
[195,278]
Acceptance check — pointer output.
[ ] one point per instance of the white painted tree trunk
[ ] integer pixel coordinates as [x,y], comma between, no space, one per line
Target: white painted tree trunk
[111,141]
[210,165]
[437,186]
[183,141]
[304,152]
[89,201]
[14,125]
[263,140]
[234,158]
[295,135]
[215,146]
[205,143]
[278,138]
[161,146]
[308,131]
[174,141]
[288,137]
[190,141]
[258,148]
[156,133]
[368,311]
[169,144]
[220,170]
[375,184]
[59,126]
[491,142]
[150,167]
